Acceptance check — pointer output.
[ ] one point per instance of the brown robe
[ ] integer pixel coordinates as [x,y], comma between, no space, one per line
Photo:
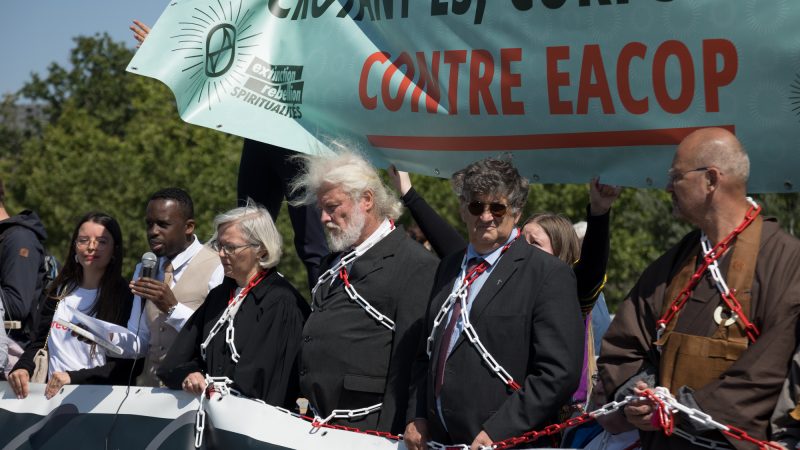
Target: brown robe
[744,395]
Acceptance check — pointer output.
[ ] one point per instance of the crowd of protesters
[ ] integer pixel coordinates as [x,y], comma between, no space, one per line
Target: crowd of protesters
[470,341]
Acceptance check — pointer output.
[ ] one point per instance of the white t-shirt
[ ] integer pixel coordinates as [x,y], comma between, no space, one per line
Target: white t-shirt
[65,350]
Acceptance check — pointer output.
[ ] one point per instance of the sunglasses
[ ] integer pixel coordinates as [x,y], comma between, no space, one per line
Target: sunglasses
[496,209]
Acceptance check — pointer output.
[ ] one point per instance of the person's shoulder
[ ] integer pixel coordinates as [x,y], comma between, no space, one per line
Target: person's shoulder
[413,249]
[205,254]
[773,234]
[20,235]
[281,290]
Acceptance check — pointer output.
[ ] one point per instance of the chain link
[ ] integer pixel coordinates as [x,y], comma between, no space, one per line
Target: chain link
[711,254]
[346,414]
[360,301]
[460,294]
[340,270]
[227,317]
[213,384]
[660,395]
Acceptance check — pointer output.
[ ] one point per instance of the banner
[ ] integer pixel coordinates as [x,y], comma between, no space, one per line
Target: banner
[571,88]
[85,417]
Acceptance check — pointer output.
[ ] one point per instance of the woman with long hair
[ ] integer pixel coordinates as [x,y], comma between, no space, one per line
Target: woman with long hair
[91,282]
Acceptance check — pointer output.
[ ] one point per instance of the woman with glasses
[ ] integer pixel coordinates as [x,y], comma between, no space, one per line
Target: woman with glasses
[91,282]
[261,312]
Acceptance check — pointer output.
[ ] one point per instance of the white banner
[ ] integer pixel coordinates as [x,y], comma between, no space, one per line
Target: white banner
[85,417]
[572,88]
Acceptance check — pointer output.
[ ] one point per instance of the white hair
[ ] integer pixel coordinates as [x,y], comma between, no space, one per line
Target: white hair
[352,173]
[258,228]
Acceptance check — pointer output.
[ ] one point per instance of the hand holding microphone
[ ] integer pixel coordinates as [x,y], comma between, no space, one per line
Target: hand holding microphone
[151,289]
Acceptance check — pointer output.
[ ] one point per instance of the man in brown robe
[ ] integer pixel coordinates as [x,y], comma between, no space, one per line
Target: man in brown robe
[709,364]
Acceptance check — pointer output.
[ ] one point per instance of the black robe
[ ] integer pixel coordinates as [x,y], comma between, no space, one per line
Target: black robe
[267,334]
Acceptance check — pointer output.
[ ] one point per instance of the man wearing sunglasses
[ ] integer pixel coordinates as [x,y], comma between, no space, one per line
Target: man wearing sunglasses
[504,347]
[734,282]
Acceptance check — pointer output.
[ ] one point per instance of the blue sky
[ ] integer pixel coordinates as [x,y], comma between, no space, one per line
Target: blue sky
[35,33]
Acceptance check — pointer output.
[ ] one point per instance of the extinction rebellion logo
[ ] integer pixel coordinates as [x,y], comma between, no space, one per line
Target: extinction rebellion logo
[220,42]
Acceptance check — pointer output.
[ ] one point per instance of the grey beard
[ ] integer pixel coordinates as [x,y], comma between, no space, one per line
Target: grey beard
[343,239]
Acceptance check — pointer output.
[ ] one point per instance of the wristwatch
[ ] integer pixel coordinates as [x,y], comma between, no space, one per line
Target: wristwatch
[171,309]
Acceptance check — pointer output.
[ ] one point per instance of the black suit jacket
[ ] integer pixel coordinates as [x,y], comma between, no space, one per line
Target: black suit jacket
[348,359]
[527,316]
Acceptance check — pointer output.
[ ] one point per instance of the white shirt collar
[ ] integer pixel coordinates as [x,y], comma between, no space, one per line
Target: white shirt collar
[492,256]
[183,257]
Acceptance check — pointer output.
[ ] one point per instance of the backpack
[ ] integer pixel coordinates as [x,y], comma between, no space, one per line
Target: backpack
[48,272]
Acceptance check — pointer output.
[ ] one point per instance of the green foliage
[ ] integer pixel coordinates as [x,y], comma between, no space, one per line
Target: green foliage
[107,139]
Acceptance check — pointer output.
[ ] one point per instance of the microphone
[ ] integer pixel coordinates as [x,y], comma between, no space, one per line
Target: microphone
[149,261]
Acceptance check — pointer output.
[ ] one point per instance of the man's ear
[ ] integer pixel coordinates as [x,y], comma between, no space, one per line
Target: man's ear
[712,178]
[189,227]
[517,216]
[368,200]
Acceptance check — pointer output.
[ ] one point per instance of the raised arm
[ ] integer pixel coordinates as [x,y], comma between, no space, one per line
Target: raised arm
[443,237]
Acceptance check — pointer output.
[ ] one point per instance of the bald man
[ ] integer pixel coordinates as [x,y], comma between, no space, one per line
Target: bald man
[728,365]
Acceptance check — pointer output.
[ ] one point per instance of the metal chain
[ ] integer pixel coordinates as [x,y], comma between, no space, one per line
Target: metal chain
[701,441]
[227,317]
[213,384]
[709,258]
[725,292]
[340,269]
[660,395]
[346,414]
[460,294]
[383,434]
[469,330]
[707,421]
[360,301]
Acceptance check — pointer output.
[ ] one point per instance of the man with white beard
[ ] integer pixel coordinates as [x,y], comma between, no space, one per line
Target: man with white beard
[368,306]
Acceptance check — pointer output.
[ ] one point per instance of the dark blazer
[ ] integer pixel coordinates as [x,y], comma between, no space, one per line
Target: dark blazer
[527,316]
[348,359]
[267,337]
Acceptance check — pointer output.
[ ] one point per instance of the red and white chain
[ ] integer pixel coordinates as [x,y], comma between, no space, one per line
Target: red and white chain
[460,293]
[340,270]
[666,406]
[315,424]
[227,317]
[710,257]
[725,292]
[213,384]
[707,421]
[345,414]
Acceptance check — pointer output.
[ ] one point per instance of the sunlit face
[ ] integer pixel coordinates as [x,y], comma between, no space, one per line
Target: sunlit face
[687,184]
[168,231]
[242,262]
[94,247]
[487,232]
[342,217]
[536,236]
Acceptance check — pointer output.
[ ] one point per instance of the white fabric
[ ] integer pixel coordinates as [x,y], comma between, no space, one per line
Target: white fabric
[138,321]
[66,351]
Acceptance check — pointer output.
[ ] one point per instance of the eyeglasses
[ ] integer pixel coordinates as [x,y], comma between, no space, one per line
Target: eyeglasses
[477,208]
[228,250]
[84,241]
[674,176]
